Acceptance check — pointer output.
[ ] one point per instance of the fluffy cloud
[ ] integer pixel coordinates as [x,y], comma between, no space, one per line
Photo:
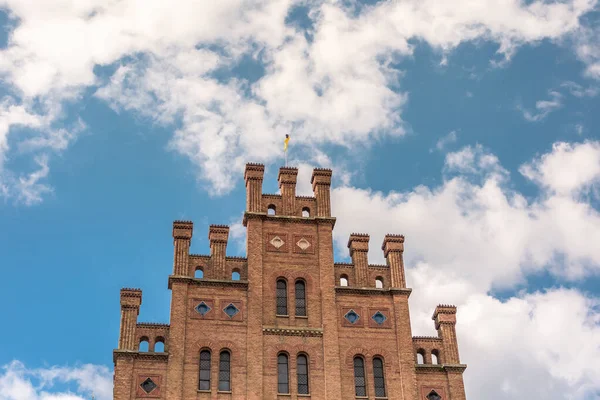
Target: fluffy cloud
[20,383]
[472,236]
[335,83]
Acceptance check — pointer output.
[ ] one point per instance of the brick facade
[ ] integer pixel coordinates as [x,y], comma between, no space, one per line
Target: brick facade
[236,322]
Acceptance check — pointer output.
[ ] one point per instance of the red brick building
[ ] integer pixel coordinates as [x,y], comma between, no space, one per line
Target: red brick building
[286,322]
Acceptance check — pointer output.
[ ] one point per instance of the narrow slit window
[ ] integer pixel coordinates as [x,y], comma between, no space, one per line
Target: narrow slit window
[300,298]
[360,383]
[379,378]
[283,382]
[302,372]
[281,297]
[204,379]
[225,371]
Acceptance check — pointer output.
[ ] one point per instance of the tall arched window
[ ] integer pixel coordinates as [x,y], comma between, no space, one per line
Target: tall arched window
[281,297]
[300,298]
[420,356]
[435,357]
[283,379]
[235,275]
[378,376]
[360,383]
[302,373]
[159,345]
[225,371]
[344,280]
[204,379]
[144,344]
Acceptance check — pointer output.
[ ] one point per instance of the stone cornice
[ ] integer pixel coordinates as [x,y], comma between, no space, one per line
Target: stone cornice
[130,354]
[207,282]
[343,265]
[378,266]
[289,218]
[426,339]
[306,332]
[437,368]
[157,325]
[371,291]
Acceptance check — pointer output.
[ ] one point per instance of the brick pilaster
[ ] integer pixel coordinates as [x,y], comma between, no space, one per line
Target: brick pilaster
[287,183]
[321,184]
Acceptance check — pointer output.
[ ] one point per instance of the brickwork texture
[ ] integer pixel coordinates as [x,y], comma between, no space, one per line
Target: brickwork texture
[285,322]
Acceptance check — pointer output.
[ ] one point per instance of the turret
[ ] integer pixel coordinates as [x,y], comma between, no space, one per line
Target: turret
[218,236]
[287,184]
[254,177]
[445,323]
[359,249]
[182,236]
[131,300]
[393,249]
[321,184]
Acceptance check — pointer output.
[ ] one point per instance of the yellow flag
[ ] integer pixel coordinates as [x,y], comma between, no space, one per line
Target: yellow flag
[285,142]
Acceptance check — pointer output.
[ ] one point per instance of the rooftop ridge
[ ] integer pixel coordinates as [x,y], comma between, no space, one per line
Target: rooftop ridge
[306,197]
[182,221]
[218,226]
[131,289]
[236,258]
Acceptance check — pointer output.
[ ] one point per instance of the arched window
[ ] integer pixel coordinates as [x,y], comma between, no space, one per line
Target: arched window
[204,380]
[360,383]
[306,212]
[435,357]
[144,344]
[281,297]
[159,345]
[344,280]
[199,273]
[225,371]
[283,381]
[420,356]
[235,275]
[378,376]
[302,372]
[300,298]
[379,282]
[271,209]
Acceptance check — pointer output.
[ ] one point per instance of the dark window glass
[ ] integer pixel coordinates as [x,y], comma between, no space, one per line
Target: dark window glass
[433,396]
[281,298]
[360,384]
[302,367]
[378,376]
[204,381]
[300,299]
[283,383]
[224,371]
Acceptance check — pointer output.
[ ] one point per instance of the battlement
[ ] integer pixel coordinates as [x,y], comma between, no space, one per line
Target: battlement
[288,204]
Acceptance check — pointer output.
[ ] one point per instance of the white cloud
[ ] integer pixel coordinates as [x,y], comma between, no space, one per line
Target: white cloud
[568,170]
[544,107]
[20,383]
[340,87]
[465,239]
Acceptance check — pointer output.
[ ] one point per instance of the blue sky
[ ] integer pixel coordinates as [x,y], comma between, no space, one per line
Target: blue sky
[471,129]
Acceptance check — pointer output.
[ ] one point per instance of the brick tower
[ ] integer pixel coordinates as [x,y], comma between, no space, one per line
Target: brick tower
[287,322]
